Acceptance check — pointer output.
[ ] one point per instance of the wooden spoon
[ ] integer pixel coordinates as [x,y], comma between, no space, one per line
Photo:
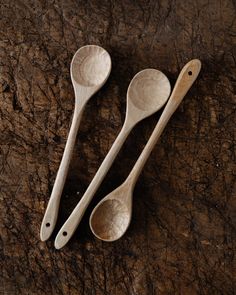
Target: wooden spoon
[90,68]
[147,93]
[111,217]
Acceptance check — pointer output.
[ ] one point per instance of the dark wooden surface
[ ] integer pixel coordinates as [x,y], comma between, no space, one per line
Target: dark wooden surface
[182,236]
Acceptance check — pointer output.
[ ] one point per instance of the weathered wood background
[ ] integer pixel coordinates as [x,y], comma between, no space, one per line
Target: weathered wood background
[182,236]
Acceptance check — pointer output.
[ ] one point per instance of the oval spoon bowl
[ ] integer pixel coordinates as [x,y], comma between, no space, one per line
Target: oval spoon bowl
[91,66]
[148,90]
[110,220]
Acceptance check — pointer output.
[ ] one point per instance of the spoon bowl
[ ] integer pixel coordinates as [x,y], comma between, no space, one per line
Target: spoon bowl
[90,66]
[147,92]
[110,220]
[111,217]
[146,87]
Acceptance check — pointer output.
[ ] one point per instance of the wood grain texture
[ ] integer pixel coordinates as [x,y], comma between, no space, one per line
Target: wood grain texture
[185,241]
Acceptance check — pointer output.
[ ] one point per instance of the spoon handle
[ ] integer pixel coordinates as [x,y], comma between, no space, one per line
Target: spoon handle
[74,219]
[186,78]
[51,213]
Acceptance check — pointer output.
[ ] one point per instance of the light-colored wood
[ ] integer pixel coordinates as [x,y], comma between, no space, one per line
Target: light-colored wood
[111,217]
[147,93]
[90,68]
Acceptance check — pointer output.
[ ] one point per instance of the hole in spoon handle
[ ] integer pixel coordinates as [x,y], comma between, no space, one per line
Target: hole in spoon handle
[186,78]
[49,220]
[64,235]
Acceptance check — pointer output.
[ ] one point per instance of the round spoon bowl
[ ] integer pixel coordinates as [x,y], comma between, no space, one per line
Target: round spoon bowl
[110,220]
[91,66]
[149,90]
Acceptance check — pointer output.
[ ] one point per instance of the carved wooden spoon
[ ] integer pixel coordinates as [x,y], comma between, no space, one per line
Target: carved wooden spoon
[147,93]
[111,217]
[90,68]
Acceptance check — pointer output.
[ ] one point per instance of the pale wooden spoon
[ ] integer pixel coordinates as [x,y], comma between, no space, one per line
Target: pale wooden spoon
[90,68]
[147,93]
[111,217]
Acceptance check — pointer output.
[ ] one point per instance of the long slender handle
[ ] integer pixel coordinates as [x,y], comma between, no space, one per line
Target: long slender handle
[50,216]
[185,80]
[74,219]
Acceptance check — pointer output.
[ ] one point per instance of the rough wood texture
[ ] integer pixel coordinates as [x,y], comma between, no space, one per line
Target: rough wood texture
[185,241]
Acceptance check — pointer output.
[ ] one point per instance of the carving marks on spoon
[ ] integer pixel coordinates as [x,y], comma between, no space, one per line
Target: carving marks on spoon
[90,66]
[110,219]
[150,89]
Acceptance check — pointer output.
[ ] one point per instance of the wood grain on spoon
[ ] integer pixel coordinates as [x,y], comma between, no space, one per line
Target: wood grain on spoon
[111,217]
[90,68]
[147,93]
